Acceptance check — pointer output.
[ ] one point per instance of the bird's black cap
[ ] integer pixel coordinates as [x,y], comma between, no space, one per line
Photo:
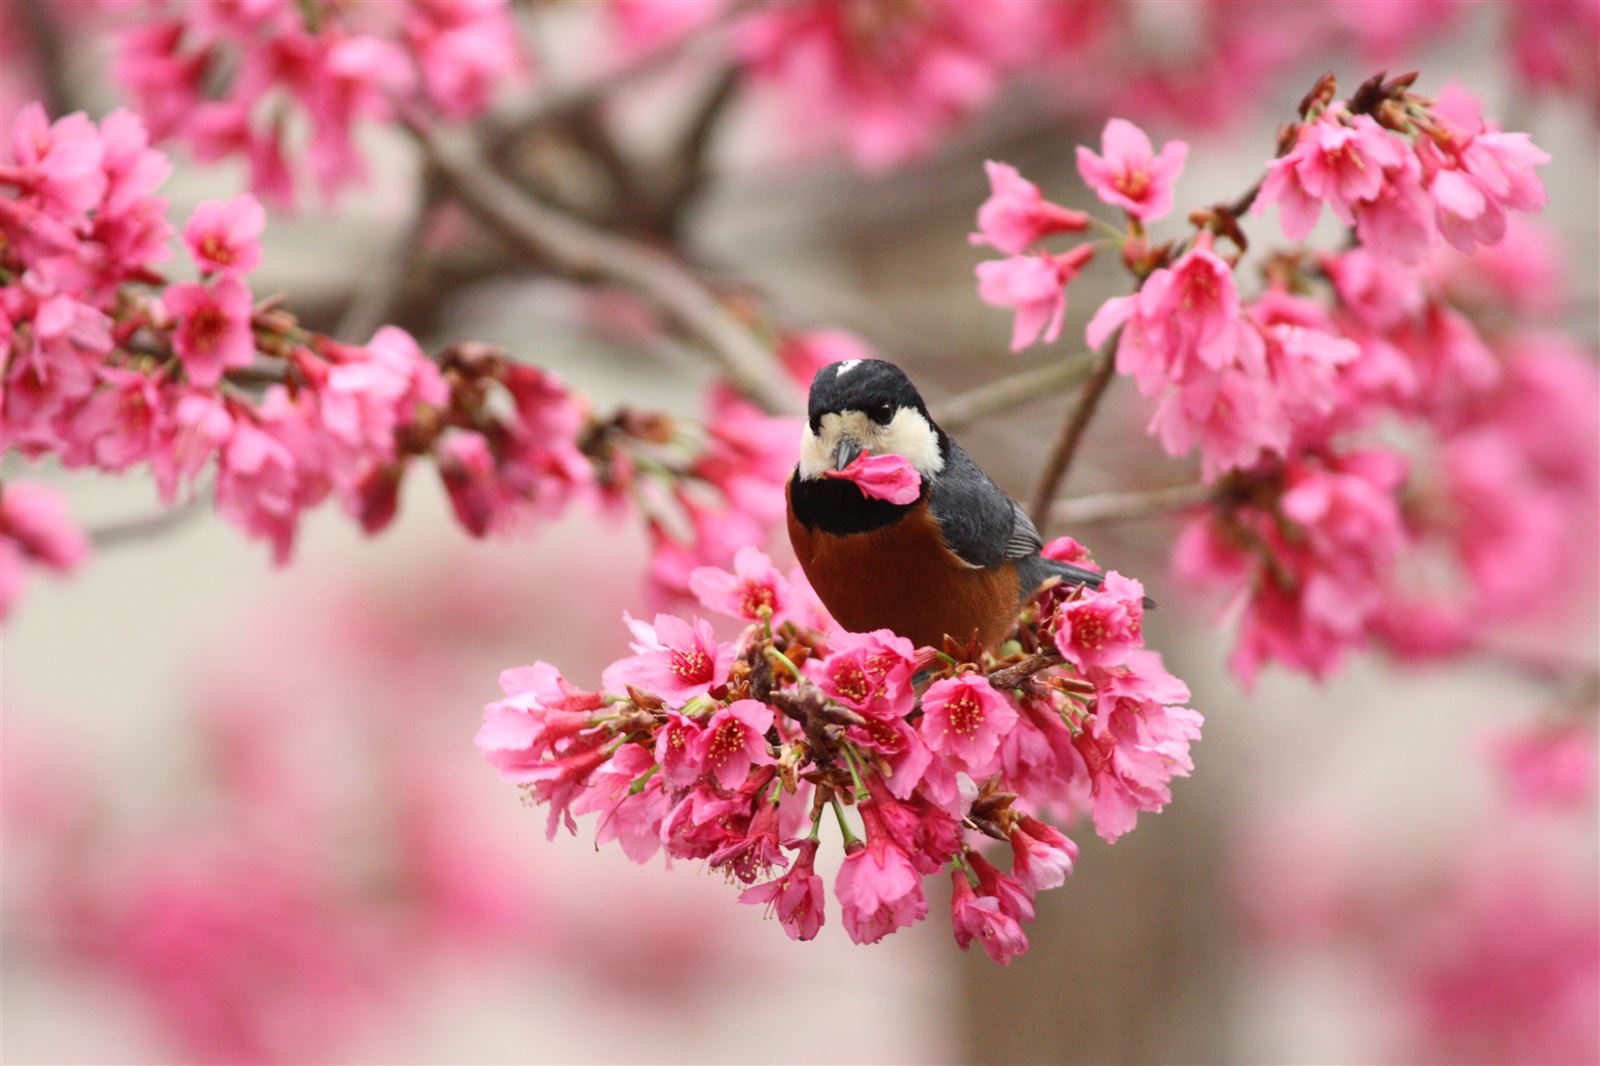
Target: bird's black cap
[861,385]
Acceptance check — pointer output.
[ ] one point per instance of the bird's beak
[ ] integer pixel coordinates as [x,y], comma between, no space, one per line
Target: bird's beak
[845,452]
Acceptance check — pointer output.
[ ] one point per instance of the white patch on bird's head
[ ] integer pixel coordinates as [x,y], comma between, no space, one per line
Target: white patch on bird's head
[907,434]
[840,369]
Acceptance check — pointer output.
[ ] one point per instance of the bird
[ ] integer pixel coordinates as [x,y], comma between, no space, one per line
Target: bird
[957,561]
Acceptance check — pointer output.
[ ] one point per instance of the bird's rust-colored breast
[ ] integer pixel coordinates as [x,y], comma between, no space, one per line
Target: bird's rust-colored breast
[904,577]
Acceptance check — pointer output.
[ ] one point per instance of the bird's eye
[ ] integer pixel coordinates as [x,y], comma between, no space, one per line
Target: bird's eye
[882,414]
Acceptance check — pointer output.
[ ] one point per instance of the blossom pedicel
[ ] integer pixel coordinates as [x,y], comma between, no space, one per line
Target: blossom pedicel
[727,752]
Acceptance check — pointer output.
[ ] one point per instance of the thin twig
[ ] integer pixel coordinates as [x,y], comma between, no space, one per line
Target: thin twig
[44,31]
[146,526]
[584,251]
[375,301]
[1013,391]
[561,105]
[1128,506]
[1066,445]
[1011,676]
[690,168]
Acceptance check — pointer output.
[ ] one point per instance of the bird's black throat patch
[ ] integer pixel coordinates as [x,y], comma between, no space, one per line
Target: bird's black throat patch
[837,506]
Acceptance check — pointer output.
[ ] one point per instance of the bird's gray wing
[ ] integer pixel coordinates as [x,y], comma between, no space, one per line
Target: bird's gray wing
[981,524]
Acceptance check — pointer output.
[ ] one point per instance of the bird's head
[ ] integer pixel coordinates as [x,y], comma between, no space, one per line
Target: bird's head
[867,405]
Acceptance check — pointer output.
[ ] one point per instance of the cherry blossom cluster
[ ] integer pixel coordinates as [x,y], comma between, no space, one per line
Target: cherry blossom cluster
[1283,394]
[240,79]
[886,82]
[734,753]
[108,365]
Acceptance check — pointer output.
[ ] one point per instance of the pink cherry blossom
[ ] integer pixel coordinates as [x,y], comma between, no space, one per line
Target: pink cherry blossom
[465,50]
[1399,222]
[1379,291]
[755,590]
[676,750]
[797,896]
[1304,353]
[882,477]
[1129,174]
[1136,743]
[702,821]
[756,853]
[870,673]
[674,659]
[632,803]
[981,919]
[965,717]
[733,740]
[878,889]
[540,716]
[1041,855]
[58,165]
[1015,900]
[213,328]
[258,487]
[1183,315]
[35,530]
[1102,627]
[478,496]
[1034,286]
[929,836]
[1016,214]
[1476,174]
[885,82]
[225,235]
[1553,768]
[1341,160]
[1234,417]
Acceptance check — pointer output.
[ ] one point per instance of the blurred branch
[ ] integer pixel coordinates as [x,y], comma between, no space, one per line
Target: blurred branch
[1011,391]
[1066,446]
[145,527]
[1128,506]
[564,104]
[582,250]
[374,303]
[690,167]
[45,35]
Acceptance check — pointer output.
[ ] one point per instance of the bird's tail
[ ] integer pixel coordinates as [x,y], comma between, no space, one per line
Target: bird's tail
[1077,575]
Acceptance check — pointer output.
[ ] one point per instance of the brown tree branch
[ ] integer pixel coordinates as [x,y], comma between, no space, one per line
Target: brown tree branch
[376,301]
[1008,677]
[1128,506]
[44,32]
[690,169]
[1066,445]
[564,104]
[584,251]
[1012,391]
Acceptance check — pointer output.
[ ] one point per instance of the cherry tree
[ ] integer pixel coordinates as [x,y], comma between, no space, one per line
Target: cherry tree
[1382,428]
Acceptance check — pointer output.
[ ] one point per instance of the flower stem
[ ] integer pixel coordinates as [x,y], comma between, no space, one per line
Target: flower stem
[855,775]
[850,839]
[1072,430]
[787,662]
